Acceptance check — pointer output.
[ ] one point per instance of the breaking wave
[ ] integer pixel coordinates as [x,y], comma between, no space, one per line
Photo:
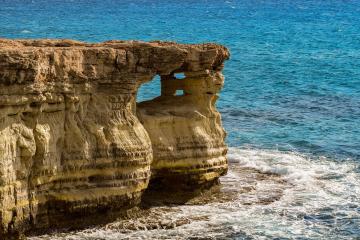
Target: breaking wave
[266,194]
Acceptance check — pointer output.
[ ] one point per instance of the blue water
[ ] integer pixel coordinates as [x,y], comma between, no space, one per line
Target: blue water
[292,83]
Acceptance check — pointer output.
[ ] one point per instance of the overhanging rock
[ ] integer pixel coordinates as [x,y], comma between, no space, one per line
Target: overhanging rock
[74,144]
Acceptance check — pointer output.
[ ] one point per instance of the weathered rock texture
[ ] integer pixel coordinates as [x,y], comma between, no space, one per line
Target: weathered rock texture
[71,142]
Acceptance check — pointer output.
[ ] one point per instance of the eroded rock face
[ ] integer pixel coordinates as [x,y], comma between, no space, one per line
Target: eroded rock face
[72,146]
[185,130]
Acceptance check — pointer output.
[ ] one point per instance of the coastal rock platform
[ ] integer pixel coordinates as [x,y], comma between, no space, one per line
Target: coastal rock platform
[76,146]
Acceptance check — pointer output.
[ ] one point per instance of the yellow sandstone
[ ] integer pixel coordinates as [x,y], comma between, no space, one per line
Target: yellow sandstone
[75,145]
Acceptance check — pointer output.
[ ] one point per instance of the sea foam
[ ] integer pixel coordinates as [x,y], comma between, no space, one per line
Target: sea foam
[274,194]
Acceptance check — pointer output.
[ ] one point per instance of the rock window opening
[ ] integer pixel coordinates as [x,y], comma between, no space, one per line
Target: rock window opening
[179,75]
[179,93]
[149,90]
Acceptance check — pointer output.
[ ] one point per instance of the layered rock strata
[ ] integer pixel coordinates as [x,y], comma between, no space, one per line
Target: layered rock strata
[185,130]
[75,145]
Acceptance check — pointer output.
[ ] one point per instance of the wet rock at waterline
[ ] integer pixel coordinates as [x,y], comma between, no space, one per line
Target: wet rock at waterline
[74,144]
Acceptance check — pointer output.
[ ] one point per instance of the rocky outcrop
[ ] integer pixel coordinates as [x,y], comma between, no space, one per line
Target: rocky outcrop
[74,144]
[185,131]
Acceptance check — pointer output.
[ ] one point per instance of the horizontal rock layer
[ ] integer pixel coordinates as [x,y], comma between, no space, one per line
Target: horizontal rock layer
[74,144]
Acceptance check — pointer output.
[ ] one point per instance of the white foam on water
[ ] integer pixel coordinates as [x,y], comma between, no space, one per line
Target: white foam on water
[289,195]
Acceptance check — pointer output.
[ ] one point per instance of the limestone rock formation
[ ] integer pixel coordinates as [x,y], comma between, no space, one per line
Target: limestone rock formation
[74,144]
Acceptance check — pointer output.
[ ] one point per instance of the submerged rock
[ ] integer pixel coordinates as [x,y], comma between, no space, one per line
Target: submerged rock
[75,147]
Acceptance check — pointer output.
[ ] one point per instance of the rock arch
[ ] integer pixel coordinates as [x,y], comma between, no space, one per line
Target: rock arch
[75,148]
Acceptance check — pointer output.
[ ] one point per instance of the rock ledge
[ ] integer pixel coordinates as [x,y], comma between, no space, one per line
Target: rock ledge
[75,145]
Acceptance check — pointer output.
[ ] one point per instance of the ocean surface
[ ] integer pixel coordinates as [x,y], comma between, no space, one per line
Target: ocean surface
[290,105]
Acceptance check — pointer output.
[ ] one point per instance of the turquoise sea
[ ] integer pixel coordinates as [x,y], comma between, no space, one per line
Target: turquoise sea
[290,105]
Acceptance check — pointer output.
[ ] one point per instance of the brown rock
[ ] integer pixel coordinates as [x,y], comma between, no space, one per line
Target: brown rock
[72,146]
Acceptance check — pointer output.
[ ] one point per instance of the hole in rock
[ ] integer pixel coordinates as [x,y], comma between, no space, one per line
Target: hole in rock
[179,75]
[149,90]
[179,93]
[34,104]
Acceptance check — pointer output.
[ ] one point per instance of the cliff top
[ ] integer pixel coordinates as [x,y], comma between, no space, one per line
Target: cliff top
[66,43]
[47,60]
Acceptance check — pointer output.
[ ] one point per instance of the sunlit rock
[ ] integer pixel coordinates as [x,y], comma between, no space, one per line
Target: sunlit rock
[72,147]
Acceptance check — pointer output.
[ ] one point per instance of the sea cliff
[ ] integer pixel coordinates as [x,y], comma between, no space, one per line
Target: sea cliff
[75,145]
